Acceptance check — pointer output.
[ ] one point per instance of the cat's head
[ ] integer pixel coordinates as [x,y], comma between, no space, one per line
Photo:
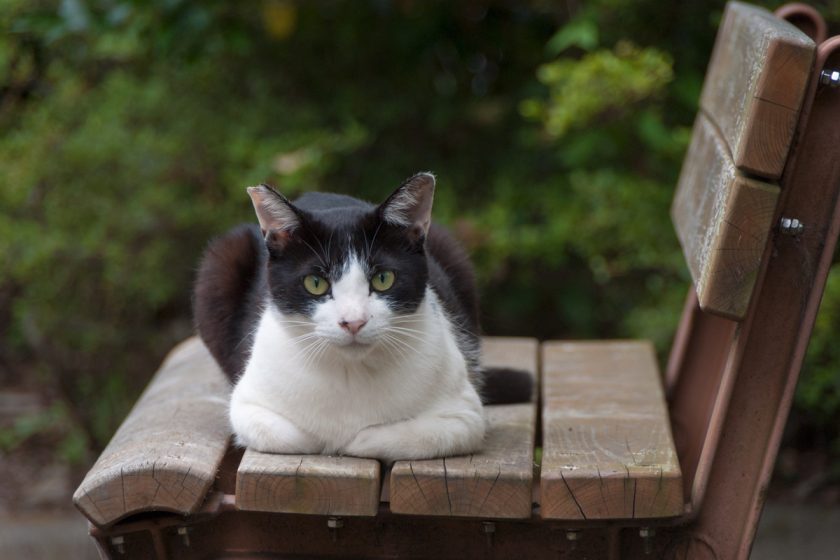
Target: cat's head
[348,274]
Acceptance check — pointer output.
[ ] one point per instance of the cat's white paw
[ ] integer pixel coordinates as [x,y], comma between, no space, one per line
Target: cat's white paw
[374,442]
[424,437]
[262,430]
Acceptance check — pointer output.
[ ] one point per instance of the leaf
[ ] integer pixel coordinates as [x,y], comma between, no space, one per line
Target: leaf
[581,32]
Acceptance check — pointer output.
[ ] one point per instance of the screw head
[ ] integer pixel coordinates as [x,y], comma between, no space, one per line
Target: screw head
[335,523]
[488,527]
[572,535]
[830,78]
[646,532]
[791,226]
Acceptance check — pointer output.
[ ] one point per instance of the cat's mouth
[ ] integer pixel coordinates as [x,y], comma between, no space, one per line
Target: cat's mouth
[356,347]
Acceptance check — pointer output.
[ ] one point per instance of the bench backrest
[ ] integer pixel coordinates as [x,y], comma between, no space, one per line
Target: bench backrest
[755,214]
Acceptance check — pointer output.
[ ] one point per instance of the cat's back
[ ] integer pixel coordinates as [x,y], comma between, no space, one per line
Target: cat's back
[228,295]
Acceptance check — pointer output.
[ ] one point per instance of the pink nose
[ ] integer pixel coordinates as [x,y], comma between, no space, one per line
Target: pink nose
[353,327]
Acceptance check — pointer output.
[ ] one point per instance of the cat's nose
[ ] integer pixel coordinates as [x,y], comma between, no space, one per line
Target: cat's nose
[353,327]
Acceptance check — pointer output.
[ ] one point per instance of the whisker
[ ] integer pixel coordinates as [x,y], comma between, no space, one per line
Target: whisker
[320,258]
[393,343]
[375,233]
[405,343]
[408,333]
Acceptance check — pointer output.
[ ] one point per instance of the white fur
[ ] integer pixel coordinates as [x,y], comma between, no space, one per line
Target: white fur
[312,387]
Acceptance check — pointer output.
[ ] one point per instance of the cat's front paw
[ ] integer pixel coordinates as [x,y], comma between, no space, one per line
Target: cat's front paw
[424,437]
[375,442]
[262,430]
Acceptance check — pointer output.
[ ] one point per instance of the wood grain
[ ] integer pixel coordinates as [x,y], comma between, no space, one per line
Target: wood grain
[607,446]
[166,453]
[755,85]
[311,484]
[495,483]
[723,220]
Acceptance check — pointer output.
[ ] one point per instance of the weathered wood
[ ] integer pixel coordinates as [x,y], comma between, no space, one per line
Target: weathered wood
[607,446]
[495,483]
[312,484]
[755,85]
[165,454]
[722,220]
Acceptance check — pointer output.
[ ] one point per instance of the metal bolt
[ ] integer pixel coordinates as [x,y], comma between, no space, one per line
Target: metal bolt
[830,78]
[489,529]
[185,535]
[334,524]
[573,537]
[119,544]
[647,535]
[791,226]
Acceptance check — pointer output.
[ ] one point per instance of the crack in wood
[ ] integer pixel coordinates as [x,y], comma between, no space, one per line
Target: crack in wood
[572,494]
[493,485]
[601,490]
[446,485]
[417,482]
[154,477]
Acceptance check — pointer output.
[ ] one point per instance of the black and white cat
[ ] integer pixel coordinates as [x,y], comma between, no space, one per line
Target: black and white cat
[349,328]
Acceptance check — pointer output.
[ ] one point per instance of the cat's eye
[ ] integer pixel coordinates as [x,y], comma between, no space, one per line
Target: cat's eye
[382,281]
[316,285]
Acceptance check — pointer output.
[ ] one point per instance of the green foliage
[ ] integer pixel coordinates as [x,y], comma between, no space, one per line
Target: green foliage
[129,129]
[606,80]
[53,422]
[818,393]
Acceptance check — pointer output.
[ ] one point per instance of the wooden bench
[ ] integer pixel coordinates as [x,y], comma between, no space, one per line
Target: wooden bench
[610,458]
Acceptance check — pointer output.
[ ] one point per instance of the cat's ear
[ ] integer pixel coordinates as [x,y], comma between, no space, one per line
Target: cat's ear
[277,216]
[410,206]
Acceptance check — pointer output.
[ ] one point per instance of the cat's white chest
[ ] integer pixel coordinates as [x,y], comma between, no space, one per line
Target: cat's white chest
[332,397]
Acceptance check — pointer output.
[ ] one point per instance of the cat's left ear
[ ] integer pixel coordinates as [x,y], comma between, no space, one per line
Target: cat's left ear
[410,206]
[277,216]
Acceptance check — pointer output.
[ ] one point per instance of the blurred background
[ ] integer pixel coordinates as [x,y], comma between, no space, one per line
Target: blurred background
[130,128]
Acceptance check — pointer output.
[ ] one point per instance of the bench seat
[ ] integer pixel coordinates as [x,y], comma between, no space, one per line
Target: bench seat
[606,449]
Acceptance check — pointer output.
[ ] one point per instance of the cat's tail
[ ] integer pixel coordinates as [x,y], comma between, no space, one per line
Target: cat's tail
[226,296]
[506,386]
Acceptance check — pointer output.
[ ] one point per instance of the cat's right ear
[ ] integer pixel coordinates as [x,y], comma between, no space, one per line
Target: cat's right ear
[277,216]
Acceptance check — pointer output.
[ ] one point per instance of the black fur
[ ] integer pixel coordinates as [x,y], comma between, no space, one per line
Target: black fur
[240,268]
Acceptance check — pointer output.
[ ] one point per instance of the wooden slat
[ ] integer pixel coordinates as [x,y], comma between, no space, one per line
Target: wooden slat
[722,220]
[495,483]
[165,454]
[755,85]
[312,484]
[607,446]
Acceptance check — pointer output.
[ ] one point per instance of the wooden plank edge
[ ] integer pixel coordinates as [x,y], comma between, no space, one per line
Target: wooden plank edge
[308,484]
[179,484]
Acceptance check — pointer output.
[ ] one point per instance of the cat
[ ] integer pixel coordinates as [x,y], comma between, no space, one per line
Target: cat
[349,328]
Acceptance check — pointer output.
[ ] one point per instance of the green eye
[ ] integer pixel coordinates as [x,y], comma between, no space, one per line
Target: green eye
[382,281]
[316,285]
